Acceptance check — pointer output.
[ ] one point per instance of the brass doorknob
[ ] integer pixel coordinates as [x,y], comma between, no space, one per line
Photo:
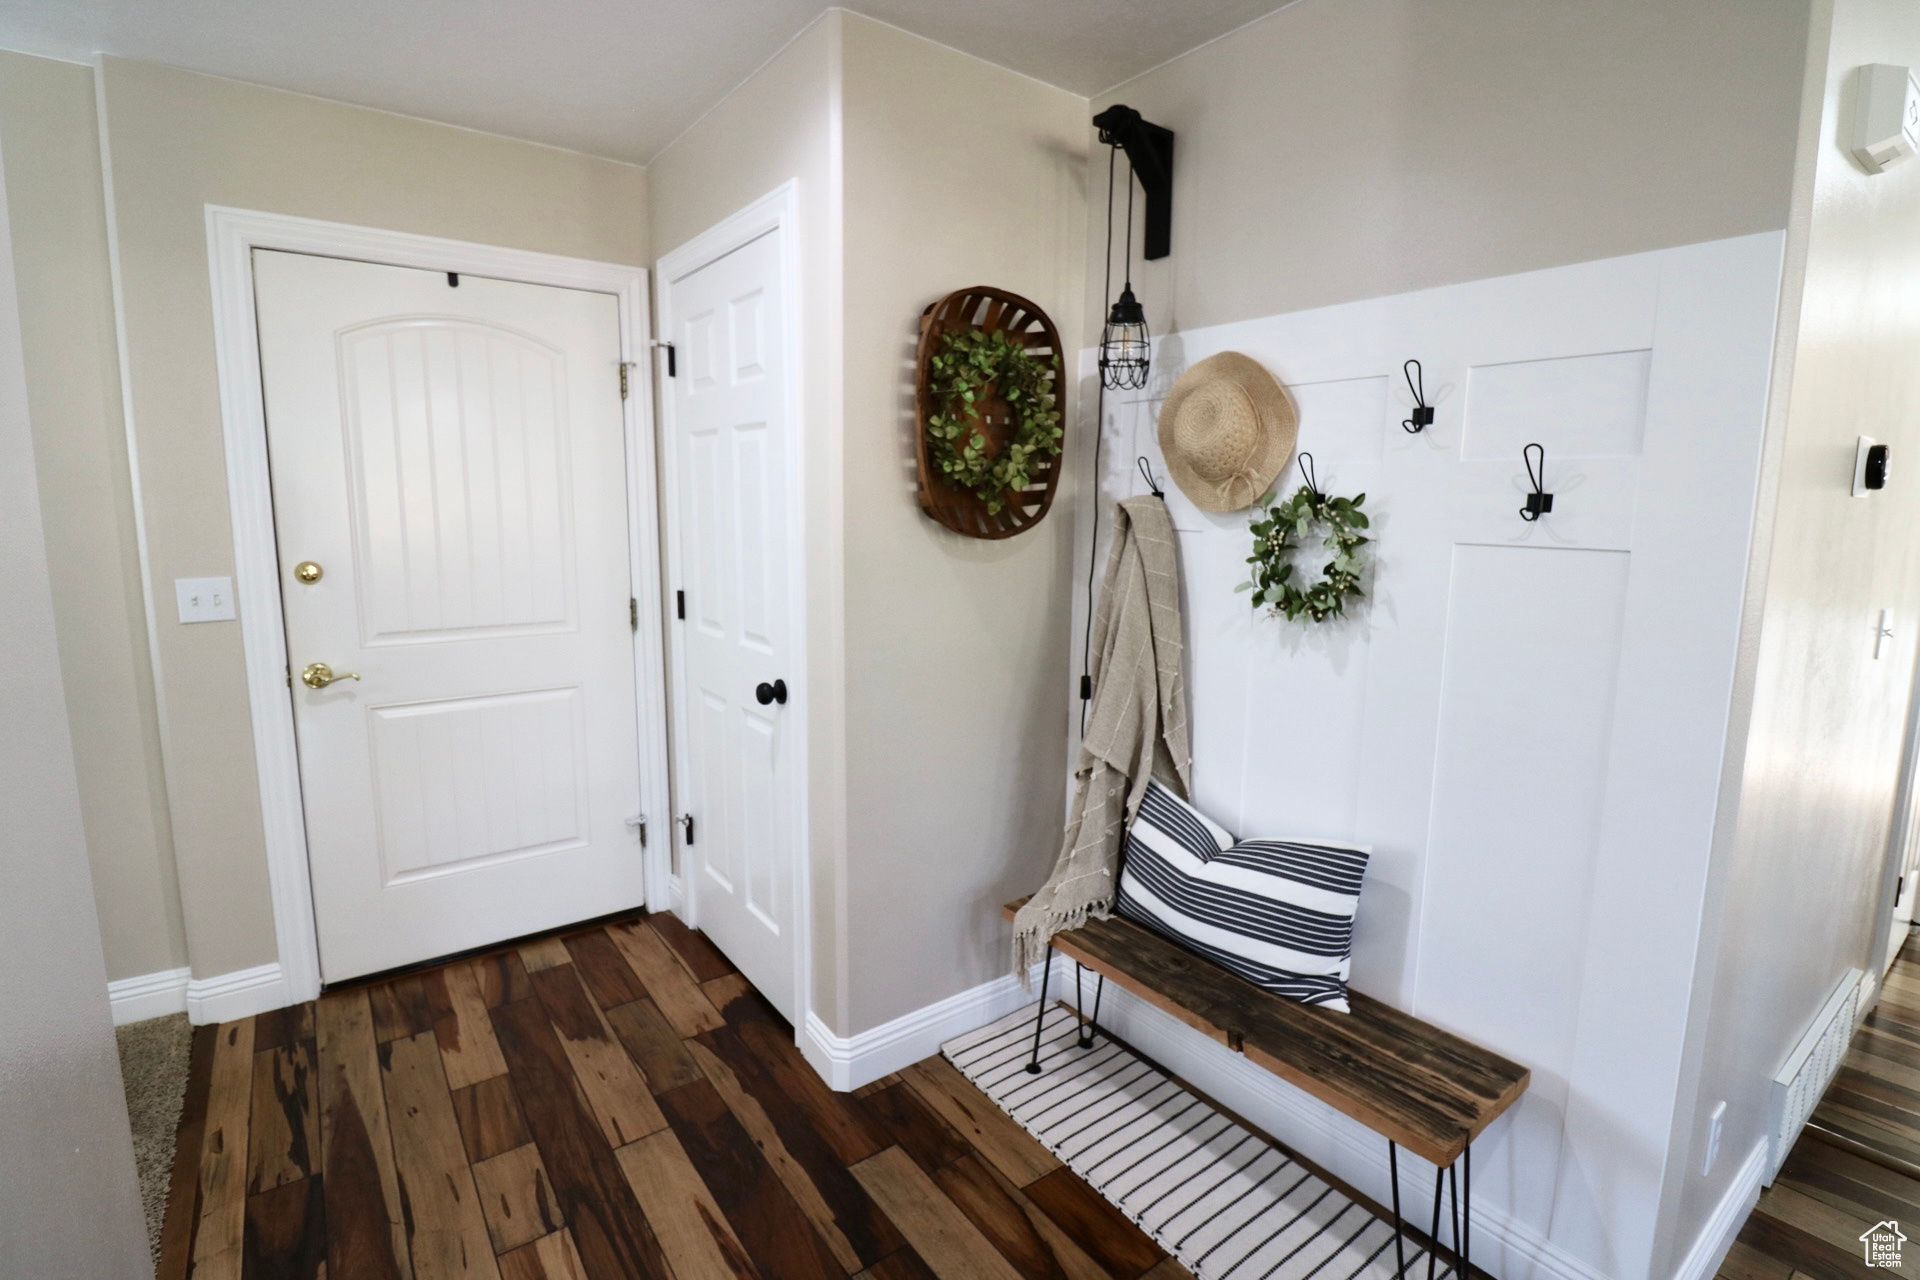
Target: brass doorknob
[308,572]
[318,675]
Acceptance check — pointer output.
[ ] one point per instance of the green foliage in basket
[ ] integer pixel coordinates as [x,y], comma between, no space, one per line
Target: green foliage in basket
[970,365]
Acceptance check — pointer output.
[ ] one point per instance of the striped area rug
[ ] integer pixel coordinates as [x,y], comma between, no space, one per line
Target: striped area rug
[1229,1204]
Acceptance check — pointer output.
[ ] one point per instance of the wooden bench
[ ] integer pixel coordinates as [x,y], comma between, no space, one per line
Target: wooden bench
[1416,1085]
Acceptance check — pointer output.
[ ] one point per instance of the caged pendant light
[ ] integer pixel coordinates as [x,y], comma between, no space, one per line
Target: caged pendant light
[1125,343]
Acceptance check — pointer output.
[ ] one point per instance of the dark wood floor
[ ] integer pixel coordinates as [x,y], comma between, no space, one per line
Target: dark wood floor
[615,1102]
[1855,1165]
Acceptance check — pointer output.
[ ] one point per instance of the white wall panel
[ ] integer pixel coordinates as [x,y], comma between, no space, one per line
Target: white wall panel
[1342,420]
[1577,406]
[1526,709]
[1488,718]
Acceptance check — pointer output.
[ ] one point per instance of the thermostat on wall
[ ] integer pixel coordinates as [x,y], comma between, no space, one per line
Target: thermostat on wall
[1886,115]
[1870,461]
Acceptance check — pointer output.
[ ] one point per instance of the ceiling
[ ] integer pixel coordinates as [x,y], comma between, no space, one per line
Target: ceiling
[618,78]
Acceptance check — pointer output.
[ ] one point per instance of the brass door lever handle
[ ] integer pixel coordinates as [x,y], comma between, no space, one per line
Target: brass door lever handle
[318,675]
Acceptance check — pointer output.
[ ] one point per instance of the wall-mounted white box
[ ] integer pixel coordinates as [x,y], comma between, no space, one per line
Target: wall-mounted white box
[204,599]
[1886,115]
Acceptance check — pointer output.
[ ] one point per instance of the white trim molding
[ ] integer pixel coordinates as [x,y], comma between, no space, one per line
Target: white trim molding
[1717,1236]
[847,1062]
[232,236]
[776,213]
[240,994]
[221,998]
[148,995]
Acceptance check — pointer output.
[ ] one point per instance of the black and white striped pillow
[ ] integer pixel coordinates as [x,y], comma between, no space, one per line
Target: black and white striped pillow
[1279,913]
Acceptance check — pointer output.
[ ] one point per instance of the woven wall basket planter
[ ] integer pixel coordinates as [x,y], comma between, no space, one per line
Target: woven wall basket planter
[958,509]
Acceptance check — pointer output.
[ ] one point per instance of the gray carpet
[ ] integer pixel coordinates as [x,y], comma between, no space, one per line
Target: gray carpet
[153,1066]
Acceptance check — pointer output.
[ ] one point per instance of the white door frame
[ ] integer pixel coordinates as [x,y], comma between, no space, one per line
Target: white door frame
[776,213]
[232,236]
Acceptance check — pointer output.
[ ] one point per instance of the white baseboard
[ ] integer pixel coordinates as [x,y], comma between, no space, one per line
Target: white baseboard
[240,994]
[150,995]
[1716,1238]
[221,998]
[847,1062]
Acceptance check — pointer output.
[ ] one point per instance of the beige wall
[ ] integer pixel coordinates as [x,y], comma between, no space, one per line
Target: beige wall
[1344,149]
[958,172]
[782,126]
[47,125]
[179,142]
[1815,761]
[70,1209]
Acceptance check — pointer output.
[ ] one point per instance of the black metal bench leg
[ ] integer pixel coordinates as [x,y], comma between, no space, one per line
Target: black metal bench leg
[1466,1215]
[1088,1026]
[1453,1200]
[1399,1236]
[1433,1232]
[1040,1015]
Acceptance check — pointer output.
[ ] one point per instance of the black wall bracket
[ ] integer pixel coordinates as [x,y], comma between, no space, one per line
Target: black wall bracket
[1149,150]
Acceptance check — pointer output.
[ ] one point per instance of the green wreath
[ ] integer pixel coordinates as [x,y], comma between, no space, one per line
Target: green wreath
[968,362]
[1280,526]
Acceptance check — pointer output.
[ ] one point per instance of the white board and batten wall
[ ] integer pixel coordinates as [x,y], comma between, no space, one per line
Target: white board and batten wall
[1524,721]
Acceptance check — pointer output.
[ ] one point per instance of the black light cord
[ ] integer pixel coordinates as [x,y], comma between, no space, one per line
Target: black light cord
[1106,280]
[1099,430]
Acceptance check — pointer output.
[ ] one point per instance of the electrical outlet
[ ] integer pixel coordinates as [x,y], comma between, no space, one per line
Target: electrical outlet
[204,599]
[1716,1120]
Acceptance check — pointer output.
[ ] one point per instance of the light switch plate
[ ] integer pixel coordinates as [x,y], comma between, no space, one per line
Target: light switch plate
[204,599]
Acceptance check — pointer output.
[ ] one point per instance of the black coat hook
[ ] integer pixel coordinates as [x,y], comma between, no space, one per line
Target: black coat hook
[1306,473]
[1147,472]
[1422,411]
[1539,502]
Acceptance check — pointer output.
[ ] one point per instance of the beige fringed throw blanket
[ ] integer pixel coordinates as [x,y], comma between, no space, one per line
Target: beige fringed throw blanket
[1136,728]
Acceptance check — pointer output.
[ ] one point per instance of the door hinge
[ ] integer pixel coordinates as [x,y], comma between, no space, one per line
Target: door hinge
[624,366]
[687,819]
[639,823]
[633,612]
[673,367]
[680,605]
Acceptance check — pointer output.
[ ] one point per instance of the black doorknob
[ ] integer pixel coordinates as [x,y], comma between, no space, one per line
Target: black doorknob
[775,692]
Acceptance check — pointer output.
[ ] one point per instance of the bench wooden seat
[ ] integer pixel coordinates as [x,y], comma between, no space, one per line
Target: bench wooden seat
[1407,1080]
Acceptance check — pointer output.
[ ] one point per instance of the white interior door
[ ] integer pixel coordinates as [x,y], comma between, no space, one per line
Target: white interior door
[732,453]
[452,458]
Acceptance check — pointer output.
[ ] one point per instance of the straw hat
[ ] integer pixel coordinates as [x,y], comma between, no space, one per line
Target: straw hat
[1226,430]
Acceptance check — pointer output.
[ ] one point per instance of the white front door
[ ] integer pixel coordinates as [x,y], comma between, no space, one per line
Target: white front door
[450,503]
[732,452]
